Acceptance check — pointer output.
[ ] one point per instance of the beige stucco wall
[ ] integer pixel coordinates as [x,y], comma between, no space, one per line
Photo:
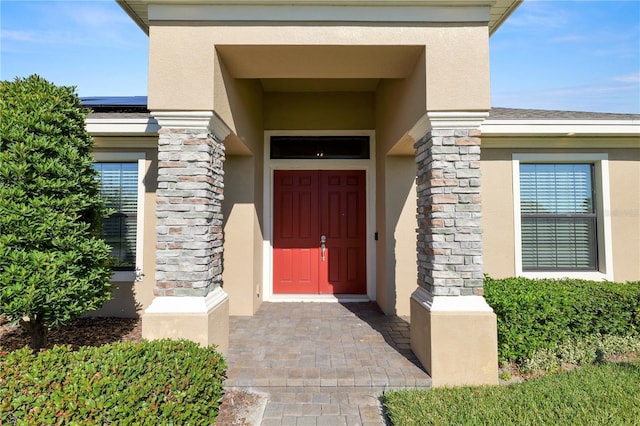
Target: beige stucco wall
[319,111]
[401,255]
[240,107]
[242,279]
[182,59]
[239,104]
[497,205]
[497,212]
[624,175]
[131,298]
[457,348]
[400,103]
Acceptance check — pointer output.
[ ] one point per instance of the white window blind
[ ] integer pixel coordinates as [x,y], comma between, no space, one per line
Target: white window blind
[558,217]
[119,187]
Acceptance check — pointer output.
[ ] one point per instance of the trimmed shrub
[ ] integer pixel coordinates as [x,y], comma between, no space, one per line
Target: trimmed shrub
[147,383]
[536,315]
[581,351]
[54,265]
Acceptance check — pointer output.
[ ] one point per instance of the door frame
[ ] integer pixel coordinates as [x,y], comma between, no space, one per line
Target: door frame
[267,247]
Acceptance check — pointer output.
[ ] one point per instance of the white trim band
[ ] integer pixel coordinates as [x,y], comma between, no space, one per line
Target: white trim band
[122,126]
[450,303]
[561,127]
[187,304]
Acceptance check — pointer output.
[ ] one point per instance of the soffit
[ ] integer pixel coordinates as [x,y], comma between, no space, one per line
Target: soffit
[321,61]
[324,69]
[499,10]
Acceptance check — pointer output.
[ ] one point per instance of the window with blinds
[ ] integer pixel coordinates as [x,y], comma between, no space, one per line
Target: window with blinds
[119,187]
[558,218]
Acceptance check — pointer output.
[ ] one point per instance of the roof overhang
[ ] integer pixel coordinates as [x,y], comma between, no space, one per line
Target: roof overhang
[122,126]
[570,128]
[495,12]
[560,134]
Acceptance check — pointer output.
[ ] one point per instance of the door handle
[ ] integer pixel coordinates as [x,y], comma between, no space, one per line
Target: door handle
[323,246]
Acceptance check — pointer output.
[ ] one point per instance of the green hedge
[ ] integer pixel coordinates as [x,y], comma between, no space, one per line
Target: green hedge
[541,314]
[149,383]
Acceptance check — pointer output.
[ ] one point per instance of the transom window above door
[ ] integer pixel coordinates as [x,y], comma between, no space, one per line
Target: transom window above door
[320,147]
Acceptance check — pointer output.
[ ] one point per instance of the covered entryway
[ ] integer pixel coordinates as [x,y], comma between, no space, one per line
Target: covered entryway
[412,75]
[319,232]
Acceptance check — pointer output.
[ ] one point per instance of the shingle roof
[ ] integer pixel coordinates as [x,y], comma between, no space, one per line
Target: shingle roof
[540,114]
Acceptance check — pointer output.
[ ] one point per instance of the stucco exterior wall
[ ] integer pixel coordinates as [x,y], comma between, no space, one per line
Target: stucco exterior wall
[319,111]
[401,254]
[624,169]
[241,276]
[400,103]
[456,59]
[241,108]
[498,221]
[497,212]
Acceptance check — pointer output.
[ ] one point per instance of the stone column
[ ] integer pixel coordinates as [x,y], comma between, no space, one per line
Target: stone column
[190,302]
[453,329]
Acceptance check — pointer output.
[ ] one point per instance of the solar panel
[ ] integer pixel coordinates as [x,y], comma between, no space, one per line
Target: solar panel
[115,103]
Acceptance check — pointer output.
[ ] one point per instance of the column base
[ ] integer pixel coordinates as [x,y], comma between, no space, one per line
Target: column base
[204,320]
[455,338]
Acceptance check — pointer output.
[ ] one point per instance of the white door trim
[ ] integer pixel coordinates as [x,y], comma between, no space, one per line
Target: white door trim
[270,165]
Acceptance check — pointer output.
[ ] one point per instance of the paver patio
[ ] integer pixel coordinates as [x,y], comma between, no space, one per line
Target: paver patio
[322,363]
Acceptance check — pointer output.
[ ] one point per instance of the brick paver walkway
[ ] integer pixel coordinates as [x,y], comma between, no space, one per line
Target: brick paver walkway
[322,363]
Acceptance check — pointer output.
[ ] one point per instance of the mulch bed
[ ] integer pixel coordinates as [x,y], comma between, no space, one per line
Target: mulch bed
[80,332]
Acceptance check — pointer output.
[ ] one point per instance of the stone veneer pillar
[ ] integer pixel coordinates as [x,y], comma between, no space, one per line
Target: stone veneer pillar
[190,302]
[453,329]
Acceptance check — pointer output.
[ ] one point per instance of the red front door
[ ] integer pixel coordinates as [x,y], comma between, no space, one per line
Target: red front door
[310,204]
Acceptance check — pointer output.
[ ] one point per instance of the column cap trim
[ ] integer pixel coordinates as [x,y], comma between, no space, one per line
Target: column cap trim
[435,120]
[450,303]
[187,304]
[457,119]
[201,120]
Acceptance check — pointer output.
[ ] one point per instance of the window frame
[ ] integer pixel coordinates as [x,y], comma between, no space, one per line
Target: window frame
[140,159]
[604,264]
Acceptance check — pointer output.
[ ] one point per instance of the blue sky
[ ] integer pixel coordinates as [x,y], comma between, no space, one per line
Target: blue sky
[550,54]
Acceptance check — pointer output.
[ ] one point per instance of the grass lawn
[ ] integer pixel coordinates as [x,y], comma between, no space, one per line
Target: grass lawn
[606,394]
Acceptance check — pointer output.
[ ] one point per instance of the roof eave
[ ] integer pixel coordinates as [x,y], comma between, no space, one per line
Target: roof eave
[571,128]
[494,24]
[144,26]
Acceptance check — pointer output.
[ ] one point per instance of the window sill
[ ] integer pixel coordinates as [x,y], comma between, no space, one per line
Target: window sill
[123,276]
[580,275]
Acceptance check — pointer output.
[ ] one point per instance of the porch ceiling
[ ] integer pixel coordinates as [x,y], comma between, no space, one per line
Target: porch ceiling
[499,9]
[349,63]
